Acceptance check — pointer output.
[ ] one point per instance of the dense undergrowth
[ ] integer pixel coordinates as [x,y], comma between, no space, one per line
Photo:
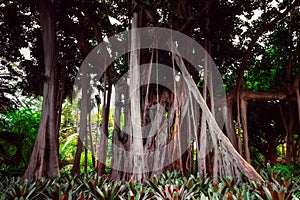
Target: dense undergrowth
[166,186]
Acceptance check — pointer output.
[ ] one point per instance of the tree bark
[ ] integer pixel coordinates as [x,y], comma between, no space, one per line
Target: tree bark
[44,158]
[83,122]
[136,147]
[228,120]
[116,144]
[102,149]
[288,119]
[245,129]
[296,88]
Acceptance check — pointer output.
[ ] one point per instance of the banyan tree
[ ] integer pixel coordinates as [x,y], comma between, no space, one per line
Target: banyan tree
[161,119]
[157,93]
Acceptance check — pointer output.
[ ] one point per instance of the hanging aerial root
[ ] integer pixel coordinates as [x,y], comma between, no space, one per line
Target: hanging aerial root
[296,87]
[224,149]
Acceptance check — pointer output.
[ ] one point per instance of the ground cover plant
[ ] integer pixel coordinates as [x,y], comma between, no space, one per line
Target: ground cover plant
[166,186]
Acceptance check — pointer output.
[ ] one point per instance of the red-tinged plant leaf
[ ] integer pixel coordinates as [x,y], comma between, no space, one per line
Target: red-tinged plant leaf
[159,191]
[259,187]
[267,193]
[94,182]
[18,191]
[82,196]
[154,180]
[169,190]
[229,196]
[190,183]
[223,191]
[228,182]
[274,175]
[290,187]
[23,190]
[57,189]
[272,192]
[64,197]
[215,186]
[281,195]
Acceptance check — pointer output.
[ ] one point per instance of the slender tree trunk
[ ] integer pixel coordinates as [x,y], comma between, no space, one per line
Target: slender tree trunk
[116,144]
[44,158]
[271,151]
[296,88]
[289,134]
[86,153]
[289,122]
[245,129]
[104,133]
[91,141]
[83,122]
[136,147]
[228,120]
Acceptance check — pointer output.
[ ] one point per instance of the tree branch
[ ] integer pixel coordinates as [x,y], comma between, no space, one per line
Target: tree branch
[70,28]
[262,29]
[203,12]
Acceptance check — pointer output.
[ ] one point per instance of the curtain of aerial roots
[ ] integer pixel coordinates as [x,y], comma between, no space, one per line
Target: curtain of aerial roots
[226,160]
[169,118]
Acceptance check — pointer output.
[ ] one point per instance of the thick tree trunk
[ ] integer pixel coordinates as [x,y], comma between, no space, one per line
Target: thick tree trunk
[44,158]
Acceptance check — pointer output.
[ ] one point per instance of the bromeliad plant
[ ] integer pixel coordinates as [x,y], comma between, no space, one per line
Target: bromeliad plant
[171,186]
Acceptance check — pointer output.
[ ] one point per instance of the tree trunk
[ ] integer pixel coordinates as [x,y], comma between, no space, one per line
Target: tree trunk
[136,147]
[91,141]
[116,144]
[245,129]
[102,149]
[289,122]
[296,88]
[44,158]
[228,120]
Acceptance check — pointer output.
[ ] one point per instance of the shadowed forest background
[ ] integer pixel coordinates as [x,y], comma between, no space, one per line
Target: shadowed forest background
[255,46]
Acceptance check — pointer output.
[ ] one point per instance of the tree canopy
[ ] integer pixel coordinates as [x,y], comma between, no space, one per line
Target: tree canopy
[254,45]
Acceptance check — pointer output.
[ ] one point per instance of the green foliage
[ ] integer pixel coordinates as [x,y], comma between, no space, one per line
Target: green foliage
[287,172]
[262,80]
[68,136]
[18,131]
[21,121]
[166,186]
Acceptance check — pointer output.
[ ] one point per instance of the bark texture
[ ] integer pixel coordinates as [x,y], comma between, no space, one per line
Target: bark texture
[44,158]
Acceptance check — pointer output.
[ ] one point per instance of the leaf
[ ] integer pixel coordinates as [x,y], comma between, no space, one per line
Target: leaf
[156,189]
[268,193]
